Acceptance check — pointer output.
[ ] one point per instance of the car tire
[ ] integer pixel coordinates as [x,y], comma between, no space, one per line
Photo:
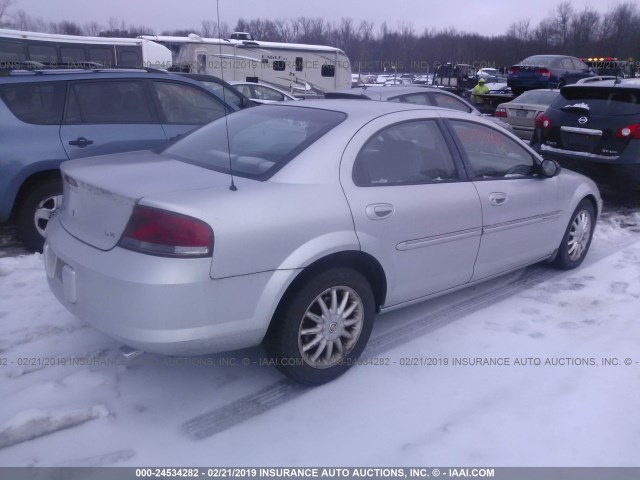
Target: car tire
[577,237]
[36,208]
[323,328]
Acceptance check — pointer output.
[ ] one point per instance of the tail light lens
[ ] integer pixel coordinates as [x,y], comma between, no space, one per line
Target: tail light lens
[630,131]
[543,72]
[513,70]
[501,112]
[159,232]
[542,121]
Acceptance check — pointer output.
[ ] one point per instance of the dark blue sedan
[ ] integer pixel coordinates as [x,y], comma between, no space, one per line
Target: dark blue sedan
[546,71]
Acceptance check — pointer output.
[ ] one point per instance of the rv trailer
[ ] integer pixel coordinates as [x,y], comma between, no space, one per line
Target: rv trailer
[303,70]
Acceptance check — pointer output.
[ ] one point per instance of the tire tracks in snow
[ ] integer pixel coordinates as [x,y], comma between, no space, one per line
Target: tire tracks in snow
[222,418]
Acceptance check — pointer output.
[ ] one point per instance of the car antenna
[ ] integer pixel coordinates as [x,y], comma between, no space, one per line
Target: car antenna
[232,187]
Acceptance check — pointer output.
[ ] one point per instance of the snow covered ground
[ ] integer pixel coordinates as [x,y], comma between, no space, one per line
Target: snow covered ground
[571,410]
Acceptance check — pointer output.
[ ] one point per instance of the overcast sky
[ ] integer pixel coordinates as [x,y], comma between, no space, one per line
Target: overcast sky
[483,16]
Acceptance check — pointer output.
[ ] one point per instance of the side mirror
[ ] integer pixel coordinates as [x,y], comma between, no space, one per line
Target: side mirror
[550,168]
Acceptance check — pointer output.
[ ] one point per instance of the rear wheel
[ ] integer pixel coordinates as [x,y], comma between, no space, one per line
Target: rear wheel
[324,328]
[36,209]
[577,238]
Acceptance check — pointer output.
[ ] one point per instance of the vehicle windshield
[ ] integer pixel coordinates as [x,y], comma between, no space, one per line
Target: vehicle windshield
[600,100]
[537,97]
[261,140]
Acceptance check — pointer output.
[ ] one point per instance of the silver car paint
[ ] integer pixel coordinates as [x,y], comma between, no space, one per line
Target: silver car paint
[267,232]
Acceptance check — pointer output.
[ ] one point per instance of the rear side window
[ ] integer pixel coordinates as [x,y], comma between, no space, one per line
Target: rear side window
[408,153]
[600,100]
[108,102]
[446,101]
[39,103]
[184,104]
[102,55]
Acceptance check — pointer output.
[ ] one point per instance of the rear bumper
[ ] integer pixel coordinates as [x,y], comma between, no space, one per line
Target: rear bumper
[530,83]
[524,133]
[160,305]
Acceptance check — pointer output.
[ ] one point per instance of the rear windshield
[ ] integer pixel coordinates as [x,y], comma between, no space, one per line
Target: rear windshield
[544,97]
[261,140]
[537,61]
[600,100]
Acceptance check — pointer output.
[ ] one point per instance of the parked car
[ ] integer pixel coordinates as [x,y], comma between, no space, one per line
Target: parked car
[546,71]
[521,112]
[262,93]
[488,72]
[50,116]
[594,124]
[416,95]
[336,210]
[224,89]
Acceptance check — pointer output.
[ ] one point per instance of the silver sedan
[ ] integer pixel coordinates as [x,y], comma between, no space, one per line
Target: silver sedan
[521,112]
[295,224]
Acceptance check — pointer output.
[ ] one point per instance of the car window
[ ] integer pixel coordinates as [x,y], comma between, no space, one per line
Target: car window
[600,100]
[415,98]
[72,54]
[446,101]
[11,52]
[408,153]
[43,53]
[121,101]
[490,153]
[185,104]
[245,90]
[255,142]
[266,93]
[537,97]
[227,94]
[566,63]
[40,103]
[578,65]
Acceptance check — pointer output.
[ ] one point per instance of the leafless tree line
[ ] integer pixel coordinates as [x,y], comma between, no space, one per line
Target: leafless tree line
[565,30]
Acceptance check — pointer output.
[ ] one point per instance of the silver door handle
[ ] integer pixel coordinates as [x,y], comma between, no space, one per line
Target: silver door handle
[498,198]
[379,211]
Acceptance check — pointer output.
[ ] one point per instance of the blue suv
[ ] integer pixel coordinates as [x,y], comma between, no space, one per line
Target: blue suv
[49,116]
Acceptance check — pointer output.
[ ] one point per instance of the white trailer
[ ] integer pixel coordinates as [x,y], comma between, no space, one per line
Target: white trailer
[18,48]
[297,68]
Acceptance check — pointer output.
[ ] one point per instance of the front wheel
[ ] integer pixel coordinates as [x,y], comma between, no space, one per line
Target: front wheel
[324,328]
[577,238]
[37,207]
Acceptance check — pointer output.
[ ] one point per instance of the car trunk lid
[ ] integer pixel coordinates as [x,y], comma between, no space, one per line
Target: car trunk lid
[100,193]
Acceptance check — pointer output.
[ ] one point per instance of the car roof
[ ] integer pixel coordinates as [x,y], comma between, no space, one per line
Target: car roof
[356,108]
[626,83]
[385,92]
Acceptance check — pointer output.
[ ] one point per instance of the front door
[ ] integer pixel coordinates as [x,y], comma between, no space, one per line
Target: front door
[520,212]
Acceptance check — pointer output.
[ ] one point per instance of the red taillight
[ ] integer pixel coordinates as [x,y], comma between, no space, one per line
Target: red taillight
[160,232]
[501,112]
[630,131]
[543,72]
[542,121]
[513,70]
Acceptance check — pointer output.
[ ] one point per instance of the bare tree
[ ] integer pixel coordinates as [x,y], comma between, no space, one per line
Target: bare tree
[564,13]
[4,8]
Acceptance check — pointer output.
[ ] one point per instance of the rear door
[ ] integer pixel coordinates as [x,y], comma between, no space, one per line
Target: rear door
[109,116]
[412,207]
[520,210]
